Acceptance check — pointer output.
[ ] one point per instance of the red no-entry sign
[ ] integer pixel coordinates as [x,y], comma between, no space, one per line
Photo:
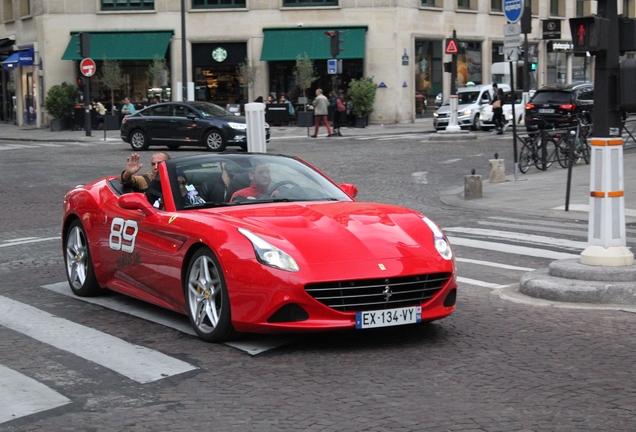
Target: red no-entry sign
[88,67]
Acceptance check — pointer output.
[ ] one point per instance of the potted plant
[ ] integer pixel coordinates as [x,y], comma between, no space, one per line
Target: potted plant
[59,103]
[112,78]
[361,92]
[304,75]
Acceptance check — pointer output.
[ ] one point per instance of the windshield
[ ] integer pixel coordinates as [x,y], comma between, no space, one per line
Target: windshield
[465,98]
[209,109]
[234,179]
[555,97]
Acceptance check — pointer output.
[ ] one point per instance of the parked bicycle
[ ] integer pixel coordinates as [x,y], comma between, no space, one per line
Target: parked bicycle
[531,152]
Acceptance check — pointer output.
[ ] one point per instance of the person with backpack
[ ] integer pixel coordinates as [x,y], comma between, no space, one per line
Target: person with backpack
[337,108]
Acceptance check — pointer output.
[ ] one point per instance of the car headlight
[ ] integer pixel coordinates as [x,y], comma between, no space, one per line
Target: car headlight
[441,243]
[270,255]
[435,115]
[466,112]
[239,126]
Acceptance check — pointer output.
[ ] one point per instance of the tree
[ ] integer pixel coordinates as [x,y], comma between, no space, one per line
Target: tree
[158,72]
[112,78]
[304,74]
[247,74]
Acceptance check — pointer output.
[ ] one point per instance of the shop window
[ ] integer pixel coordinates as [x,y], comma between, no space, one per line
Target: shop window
[430,3]
[495,6]
[533,5]
[7,10]
[428,74]
[463,4]
[217,4]
[628,8]
[25,8]
[108,5]
[297,3]
[469,65]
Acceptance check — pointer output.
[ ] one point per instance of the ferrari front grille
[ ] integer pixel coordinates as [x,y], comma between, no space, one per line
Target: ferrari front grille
[377,294]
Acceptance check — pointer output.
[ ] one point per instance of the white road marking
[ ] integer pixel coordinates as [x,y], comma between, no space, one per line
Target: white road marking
[449,161]
[479,283]
[511,249]
[22,396]
[133,361]
[152,313]
[520,237]
[26,240]
[493,264]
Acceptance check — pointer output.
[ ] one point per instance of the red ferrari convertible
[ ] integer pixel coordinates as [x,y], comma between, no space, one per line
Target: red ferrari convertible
[257,243]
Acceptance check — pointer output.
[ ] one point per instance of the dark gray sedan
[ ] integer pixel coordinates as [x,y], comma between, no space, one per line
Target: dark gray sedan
[176,124]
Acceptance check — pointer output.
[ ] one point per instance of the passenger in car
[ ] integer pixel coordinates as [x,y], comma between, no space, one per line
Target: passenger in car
[188,192]
[260,177]
[140,183]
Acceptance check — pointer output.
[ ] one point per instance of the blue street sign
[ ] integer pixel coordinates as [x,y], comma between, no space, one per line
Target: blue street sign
[513,9]
[332,65]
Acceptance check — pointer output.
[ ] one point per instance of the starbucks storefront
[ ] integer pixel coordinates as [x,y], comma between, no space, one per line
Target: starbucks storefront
[216,72]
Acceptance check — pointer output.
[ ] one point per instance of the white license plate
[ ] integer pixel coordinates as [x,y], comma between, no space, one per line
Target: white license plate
[546,111]
[388,317]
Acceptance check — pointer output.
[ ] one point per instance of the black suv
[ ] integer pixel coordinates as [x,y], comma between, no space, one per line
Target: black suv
[559,106]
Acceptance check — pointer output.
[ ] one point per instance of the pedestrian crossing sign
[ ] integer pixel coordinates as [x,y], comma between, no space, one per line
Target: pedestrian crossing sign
[451,46]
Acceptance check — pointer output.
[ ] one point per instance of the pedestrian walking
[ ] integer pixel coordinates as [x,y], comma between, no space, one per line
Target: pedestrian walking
[321,112]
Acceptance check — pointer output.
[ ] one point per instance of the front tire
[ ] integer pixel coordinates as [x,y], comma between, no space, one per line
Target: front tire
[214,141]
[79,264]
[207,300]
[139,140]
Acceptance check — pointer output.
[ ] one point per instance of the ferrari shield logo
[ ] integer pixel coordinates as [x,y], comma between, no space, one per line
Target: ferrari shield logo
[219,54]
[382,267]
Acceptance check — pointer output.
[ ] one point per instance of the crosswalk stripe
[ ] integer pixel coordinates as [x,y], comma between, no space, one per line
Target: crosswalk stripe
[139,309]
[520,237]
[479,283]
[493,264]
[511,249]
[21,395]
[130,306]
[133,361]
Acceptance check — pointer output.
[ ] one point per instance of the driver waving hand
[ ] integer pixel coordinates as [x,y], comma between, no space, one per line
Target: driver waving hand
[260,178]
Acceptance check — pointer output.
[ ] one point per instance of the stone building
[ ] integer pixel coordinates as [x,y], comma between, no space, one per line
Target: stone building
[400,43]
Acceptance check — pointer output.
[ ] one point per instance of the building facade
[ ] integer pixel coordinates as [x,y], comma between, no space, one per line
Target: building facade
[400,43]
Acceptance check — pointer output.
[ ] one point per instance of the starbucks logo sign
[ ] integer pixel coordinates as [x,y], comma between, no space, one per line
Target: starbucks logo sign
[219,54]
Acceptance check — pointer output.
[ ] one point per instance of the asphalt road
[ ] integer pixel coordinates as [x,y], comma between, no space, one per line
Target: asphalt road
[494,365]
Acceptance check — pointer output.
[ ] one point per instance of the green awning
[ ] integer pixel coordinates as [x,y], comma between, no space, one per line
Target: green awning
[289,43]
[123,45]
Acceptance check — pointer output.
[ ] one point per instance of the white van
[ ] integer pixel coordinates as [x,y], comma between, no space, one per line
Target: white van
[471,100]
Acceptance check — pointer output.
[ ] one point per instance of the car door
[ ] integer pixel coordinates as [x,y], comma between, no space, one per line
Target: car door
[142,252]
[188,127]
[160,127]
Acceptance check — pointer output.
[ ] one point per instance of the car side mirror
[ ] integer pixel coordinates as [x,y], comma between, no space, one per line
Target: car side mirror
[191,116]
[136,201]
[349,189]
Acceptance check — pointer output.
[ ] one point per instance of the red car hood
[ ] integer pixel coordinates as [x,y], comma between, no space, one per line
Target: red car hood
[339,231]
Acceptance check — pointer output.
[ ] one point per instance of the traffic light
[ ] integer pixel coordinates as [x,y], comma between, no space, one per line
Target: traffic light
[626,35]
[627,89]
[82,81]
[533,66]
[448,67]
[84,44]
[589,34]
[335,42]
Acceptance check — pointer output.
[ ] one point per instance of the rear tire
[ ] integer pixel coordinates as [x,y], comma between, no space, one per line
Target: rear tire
[79,263]
[214,141]
[139,140]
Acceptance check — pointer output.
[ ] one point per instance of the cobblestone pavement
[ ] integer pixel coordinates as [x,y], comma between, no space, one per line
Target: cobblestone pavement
[494,365]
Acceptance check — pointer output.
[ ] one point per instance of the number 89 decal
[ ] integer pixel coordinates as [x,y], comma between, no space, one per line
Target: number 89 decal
[122,235]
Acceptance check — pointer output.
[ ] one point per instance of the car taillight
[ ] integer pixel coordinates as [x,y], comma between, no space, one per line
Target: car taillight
[568,107]
[123,121]
[529,106]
